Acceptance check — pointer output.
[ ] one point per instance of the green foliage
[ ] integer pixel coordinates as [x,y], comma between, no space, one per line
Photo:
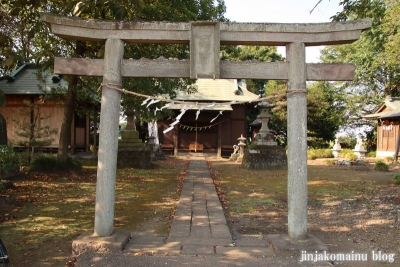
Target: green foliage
[48,162]
[330,162]
[2,187]
[371,154]
[319,153]
[348,154]
[348,141]
[325,111]
[389,159]
[381,166]
[259,53]
[396,179]
[375,55]
[8,159]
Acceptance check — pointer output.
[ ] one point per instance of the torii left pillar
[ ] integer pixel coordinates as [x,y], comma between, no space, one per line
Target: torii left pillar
[104,238]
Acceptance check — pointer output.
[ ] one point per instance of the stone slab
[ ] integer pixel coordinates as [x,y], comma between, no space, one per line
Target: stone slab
[282,243]
[170,248]
[202,241]
[88,242]
[200,231]
[220,231]
[252,242]
[147,240]
[198,250]
[245,251]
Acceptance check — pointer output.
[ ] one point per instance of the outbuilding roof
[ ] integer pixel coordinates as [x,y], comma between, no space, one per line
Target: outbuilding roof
[389,109]
[26,81]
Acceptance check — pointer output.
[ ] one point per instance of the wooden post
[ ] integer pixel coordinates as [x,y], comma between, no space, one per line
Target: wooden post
[108,147]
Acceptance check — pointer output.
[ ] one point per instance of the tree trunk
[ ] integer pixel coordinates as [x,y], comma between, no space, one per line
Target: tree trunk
[65,132]
[69,108]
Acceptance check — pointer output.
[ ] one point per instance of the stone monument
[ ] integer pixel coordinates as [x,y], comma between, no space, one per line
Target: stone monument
[359,149]
[336,148]
[264,152]
[132,152]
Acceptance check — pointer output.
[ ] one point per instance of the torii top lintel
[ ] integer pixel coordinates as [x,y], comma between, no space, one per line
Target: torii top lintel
[268,34]
[204,38]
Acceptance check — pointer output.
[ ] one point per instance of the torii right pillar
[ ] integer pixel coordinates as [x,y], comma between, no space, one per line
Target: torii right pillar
[297,146]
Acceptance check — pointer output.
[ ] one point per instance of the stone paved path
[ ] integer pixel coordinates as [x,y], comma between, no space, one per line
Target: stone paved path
[199,226]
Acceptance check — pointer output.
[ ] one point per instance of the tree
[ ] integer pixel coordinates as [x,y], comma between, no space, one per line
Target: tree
[375,55]
[325,111]
[32,131]
[249,53]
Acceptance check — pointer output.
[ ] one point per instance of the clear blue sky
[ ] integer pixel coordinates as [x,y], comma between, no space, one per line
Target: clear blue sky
[283,11]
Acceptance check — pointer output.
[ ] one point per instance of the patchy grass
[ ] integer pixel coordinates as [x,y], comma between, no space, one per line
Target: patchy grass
[248,191]
[50,210]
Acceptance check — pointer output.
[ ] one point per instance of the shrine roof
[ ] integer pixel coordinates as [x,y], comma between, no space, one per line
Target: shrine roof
[219,90]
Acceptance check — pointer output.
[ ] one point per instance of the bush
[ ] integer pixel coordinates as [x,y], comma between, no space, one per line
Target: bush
[348,154]
[381,166]
[371,154]
[396,179]
[319,153]
[9,161]
[48,162]
[389,159]
[330,162]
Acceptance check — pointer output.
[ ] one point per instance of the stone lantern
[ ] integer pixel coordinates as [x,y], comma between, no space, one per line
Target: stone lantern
[265,136]
[132,152]
[241,145]
[264,152]
[336,148]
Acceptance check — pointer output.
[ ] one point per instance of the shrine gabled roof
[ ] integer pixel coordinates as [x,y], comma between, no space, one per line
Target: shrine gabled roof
[389,109]
[25,81]
[219,90]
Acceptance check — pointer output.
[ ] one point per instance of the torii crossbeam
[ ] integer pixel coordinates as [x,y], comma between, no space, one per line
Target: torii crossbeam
[205,38]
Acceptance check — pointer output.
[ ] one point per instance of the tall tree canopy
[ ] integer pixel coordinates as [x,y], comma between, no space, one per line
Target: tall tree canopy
[325,111]
[376,56]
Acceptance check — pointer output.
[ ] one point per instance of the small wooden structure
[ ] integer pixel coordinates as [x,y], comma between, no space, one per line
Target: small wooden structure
[214,136]
[388,131]
[24,84]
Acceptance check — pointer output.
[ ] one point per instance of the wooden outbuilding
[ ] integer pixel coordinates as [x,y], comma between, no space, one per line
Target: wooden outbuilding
[388,129]
[216,128]
[27,83]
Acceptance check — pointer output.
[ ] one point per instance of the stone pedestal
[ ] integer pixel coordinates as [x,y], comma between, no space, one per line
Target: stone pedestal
[264,157]
[132,152]
[88,242]
[264,153]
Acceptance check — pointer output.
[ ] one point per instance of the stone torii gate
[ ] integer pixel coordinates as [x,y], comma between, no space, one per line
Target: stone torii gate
[205,38]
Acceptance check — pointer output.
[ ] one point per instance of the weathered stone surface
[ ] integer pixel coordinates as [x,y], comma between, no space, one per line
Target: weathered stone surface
[228,70]
[231,33]
[134,157]
[126,134]
[265,157]
[108,139]
[88,242]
